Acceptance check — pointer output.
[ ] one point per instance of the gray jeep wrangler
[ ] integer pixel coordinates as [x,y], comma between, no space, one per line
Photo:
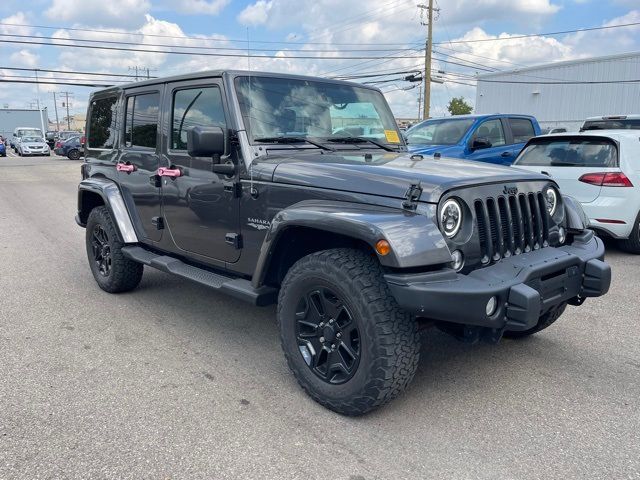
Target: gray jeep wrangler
[300,191]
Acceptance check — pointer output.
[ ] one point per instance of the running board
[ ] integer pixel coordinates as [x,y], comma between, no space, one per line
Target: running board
[236,287]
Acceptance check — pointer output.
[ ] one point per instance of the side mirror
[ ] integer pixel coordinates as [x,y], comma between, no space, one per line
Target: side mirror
[480,143]
[205,141]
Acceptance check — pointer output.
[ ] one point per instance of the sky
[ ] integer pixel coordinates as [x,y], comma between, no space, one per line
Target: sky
[275,31]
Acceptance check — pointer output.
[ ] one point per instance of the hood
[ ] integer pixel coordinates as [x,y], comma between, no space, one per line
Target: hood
[33,144]
[387,174]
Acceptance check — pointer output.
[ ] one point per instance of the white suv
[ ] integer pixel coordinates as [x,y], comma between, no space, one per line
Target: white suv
[599,168]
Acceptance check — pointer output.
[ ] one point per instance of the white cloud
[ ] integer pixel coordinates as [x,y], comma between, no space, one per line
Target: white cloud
[24,58]
[18,18]
[119,13]
[256,14]
[205,7]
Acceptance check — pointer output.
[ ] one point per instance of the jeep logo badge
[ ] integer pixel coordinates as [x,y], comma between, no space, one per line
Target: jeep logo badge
[510,190]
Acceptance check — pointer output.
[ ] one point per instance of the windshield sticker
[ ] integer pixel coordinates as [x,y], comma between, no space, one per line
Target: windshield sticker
[391,136]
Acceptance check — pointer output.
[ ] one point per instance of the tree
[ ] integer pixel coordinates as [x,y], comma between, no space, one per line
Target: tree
[458,106]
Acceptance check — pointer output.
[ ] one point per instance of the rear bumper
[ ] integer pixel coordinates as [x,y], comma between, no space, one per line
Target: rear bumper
[619,209]
[525,286]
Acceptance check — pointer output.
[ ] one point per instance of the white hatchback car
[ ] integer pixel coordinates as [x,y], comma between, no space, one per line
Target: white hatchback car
[600,169]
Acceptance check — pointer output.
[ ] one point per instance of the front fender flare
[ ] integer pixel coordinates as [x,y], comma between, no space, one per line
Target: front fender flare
[414,238]
[577,219]
[112,198]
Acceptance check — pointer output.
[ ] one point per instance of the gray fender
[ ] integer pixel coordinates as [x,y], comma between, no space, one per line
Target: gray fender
[112,198]
[576,219]
[414,239]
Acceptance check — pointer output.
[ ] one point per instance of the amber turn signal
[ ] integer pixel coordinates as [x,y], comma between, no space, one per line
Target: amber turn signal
[383,248]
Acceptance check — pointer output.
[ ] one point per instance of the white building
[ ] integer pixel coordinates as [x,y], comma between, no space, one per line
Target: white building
[12,118]
[542,90]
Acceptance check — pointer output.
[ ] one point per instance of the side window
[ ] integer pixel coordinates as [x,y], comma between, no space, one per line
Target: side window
[522,129]
[195,107]
[102,123]
[491,130]
[141,120]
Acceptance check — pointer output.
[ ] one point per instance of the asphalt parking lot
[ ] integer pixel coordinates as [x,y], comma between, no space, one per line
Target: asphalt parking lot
[175,381]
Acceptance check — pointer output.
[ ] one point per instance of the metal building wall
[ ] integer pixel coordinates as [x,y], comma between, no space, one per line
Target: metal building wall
[564,105]
[10,119]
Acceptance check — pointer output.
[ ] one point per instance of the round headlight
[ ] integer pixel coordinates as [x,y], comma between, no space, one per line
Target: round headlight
[552,200]
[451,217]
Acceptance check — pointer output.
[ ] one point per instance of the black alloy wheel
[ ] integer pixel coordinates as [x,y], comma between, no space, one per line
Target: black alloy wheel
[73,154]
[101,250]
[328,335]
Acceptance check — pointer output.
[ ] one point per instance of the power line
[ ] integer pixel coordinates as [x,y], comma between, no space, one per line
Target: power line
[195,47]
[207,54]
[75,84]
[562,82]
[547,34]
[67,71]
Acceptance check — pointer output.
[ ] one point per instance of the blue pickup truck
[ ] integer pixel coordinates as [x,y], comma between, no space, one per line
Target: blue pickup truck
[496,138]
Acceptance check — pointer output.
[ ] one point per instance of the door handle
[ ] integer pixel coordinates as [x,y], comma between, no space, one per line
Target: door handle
[505,154]
[125,167]
[169,172]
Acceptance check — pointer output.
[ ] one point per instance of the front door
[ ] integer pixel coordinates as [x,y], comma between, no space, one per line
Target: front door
[200,207]
[138,161]
[500,151]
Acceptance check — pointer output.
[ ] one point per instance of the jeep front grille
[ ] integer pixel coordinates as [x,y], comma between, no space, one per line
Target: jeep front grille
[510,225]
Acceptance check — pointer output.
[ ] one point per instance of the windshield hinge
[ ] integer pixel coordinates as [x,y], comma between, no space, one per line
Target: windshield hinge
[233,138]
[412,196]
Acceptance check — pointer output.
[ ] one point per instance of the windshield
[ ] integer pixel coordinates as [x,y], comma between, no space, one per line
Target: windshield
[32,139]
[23,132]
[283,107]
[611,124]
[439,132]
[570,152]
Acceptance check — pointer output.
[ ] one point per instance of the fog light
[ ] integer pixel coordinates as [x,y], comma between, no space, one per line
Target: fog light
[457,260]
[562,236]
[492,305]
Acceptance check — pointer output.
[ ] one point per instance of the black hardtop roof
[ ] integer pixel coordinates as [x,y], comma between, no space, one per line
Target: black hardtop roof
[220,73]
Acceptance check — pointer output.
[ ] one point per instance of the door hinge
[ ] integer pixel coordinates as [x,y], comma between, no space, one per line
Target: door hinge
[412,196]
[234,188]
[234,239]
[158,222]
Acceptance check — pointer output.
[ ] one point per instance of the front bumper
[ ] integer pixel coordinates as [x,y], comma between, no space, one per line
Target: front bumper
[526,286]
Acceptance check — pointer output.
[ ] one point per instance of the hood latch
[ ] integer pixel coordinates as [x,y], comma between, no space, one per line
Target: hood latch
[412,196]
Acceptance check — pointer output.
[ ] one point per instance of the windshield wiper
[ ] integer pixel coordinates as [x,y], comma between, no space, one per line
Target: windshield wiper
[361,140]
[285,139]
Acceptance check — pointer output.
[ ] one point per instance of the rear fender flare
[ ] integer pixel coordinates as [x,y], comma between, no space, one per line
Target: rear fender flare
[110,193]
[414,238]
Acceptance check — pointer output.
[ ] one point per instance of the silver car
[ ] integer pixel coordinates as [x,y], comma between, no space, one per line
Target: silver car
[33,146]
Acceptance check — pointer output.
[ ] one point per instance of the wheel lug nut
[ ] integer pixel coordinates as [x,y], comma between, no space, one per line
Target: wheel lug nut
[333,346]
[338,335]
[321,324]
[331,321]
[322,339]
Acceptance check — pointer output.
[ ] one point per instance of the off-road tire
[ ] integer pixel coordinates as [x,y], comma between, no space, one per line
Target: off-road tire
[545,321]
[73,154]
[125,274]
[389,339]
[632,244]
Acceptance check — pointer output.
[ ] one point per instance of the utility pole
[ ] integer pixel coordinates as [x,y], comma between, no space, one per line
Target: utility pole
[66,104]
[55,106]
[427,58]
[141,72]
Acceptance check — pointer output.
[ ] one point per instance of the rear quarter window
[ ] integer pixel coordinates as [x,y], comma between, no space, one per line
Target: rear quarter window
[102,123]
[521,129]
[570,152]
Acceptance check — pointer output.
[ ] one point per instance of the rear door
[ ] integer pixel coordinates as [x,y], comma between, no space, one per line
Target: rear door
[522,131]
[500,152]
[138,159]
[567,159]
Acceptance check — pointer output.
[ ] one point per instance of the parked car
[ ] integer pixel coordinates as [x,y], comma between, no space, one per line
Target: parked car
[355,239]
[486,138]
[20,132]
[600,169]
[32,146]
[71,148]
[547,131]
[612,122]
[50,138]
[3,149]
[67,134]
